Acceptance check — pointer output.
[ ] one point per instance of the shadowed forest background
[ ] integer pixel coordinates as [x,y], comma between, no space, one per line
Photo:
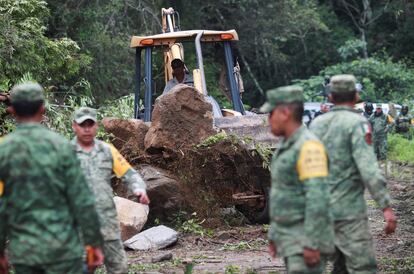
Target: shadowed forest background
[79,49]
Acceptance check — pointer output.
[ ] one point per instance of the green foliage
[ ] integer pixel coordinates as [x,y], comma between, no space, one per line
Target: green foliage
[232,269]
[400,149]
[244,245]
[122,107]
[265,153]
[312,87]
[193,225]
[59,116]
[104,29]
[24,48]
[352,49]
[266,228]
[372,204]
[213,139]
[396,265]
[382,79]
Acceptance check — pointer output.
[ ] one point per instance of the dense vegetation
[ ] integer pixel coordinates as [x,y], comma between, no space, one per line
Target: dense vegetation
[79,50]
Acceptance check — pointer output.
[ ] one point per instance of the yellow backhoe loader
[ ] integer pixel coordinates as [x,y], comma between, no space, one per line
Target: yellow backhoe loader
[235,121]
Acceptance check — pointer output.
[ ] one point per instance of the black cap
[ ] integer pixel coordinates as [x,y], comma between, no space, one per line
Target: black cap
[176,63]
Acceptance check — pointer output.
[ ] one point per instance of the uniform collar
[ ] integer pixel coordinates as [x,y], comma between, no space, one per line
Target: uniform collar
[29,125]
[96,146]
[338,108]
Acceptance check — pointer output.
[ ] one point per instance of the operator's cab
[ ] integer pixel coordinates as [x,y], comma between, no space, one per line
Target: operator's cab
[171,44]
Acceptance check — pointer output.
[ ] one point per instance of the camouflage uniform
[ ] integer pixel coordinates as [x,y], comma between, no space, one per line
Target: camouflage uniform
[380,126]
[403,125]
[299,198]
[44,200]
[98,166]
[353,167]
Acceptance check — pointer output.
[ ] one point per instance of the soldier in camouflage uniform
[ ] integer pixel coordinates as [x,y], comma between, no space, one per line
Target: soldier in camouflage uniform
[99,161]
[352,168]
[404,123]
[44,198]
[381,123]
[301,229]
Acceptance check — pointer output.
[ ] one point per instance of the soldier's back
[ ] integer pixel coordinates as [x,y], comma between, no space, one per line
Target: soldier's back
[342,131]
[33,164]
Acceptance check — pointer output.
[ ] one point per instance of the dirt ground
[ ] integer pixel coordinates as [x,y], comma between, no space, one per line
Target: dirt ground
[244,250]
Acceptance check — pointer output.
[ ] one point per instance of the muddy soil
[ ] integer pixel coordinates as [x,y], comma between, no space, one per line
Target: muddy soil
[208,176]
[244,250]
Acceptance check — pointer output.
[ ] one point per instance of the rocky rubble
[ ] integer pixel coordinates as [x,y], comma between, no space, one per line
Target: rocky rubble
[181,174]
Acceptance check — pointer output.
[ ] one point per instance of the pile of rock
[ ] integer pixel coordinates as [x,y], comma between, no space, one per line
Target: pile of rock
[191,179]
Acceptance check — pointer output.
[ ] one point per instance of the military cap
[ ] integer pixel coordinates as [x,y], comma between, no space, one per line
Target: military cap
[282,95]
[176,63]
[27,92]
[343,83]
[84,113]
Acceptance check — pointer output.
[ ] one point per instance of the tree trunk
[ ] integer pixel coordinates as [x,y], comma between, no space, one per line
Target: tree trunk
[364,47]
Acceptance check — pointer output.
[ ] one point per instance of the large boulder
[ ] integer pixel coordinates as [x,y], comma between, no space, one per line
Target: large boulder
[132,216]
[128,134]
[163,191]
[181,118]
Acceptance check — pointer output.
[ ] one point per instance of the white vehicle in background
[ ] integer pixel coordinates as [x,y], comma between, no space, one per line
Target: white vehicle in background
[310,109]
[385,107]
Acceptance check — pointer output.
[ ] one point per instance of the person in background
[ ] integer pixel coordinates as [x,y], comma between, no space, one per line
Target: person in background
[352,168]
[99,160]
[181,76]
[44,198]
[381,124]
[404,123]
[324,109]
[301,230]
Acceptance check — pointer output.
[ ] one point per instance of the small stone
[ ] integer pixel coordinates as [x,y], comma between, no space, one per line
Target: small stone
[223,235]
[162,257]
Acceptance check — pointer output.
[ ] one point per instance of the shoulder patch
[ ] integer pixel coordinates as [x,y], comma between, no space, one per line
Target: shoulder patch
[1,188]
[368,133]
[312,161]
[120,165]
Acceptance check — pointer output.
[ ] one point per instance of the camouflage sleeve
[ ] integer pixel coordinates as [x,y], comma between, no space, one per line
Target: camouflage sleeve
[317,216]
[3,217]
[81,201]
[312,167]
[366,162]
[3,220]
[134,181]
[128,174]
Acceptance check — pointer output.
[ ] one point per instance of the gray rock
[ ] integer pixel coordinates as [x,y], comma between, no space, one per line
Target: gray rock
[154,238]
[164,192]
[162,257]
